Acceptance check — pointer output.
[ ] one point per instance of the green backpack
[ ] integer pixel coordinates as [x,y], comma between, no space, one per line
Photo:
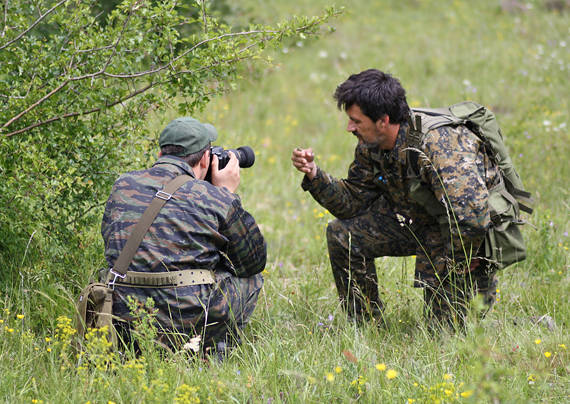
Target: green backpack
[504,244]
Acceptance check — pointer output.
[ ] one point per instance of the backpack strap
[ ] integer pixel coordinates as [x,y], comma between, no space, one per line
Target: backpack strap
[415,135]
[524,198]
[121,266]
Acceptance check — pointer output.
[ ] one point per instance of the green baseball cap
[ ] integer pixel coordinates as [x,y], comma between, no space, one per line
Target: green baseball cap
[188,133]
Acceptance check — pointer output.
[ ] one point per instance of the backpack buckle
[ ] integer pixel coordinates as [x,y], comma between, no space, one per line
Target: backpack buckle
[111,284]
[163,195]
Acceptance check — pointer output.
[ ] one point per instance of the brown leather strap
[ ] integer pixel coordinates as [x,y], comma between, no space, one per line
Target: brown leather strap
[122,264]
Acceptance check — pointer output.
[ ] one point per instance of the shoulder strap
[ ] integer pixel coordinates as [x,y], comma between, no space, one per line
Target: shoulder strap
[128,252]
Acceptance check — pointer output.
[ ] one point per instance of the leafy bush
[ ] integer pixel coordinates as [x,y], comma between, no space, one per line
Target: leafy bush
[76,87]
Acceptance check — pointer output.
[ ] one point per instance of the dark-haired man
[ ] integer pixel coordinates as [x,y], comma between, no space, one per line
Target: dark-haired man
[381,212]
[201,230]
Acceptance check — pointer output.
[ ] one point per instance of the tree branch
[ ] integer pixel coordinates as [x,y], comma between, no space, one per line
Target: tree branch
[171,62]
[268,35]
[65,83]
[35,104]
[80,113]
[33,25]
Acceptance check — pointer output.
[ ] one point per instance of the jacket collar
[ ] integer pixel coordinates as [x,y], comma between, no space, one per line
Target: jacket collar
[175,165]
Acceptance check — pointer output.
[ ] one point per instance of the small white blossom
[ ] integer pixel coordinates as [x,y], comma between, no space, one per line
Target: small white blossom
[193,344]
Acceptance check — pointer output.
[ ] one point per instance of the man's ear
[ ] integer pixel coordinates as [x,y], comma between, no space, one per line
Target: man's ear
[383,121]
[205,160]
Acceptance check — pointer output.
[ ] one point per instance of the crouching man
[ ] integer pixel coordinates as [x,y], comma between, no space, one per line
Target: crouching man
[202,235]
[438,211]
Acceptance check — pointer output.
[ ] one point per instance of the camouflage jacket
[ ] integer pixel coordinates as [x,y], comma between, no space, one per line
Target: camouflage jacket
[453,167]
[201,227]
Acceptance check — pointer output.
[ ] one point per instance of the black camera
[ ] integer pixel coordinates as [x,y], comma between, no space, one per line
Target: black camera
[244,154]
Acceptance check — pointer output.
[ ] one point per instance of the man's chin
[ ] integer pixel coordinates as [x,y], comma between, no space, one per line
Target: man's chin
[371,146]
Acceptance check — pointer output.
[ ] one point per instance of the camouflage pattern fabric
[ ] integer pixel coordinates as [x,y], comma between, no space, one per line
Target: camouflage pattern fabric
[216,312]
[378,214]
[201,227]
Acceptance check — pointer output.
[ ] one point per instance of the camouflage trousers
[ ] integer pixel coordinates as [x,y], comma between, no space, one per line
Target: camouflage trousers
[354,243]
[216,312]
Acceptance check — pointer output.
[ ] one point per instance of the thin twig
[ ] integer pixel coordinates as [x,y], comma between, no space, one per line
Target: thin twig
[204,16]
[170,63]
[101,71]
[271,34]
[73,114]
[31,26]
[35,104]
[5,18]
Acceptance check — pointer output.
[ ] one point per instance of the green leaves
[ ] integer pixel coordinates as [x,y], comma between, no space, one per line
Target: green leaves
[76,86]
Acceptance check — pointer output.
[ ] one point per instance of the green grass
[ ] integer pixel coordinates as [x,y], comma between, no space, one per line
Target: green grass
[443,52]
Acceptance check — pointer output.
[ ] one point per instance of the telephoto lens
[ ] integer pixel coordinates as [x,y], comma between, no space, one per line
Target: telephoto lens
[244,154]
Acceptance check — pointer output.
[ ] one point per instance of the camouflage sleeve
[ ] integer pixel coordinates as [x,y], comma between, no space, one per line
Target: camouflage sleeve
[346,197]
[455,173]
[246,247]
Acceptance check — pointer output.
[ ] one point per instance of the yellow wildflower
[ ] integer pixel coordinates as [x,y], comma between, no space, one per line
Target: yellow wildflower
[467,394]
[531,378]
[562,346]
[330,377]
[447,376]
[391,374]
[338,369]
[381,367]
[537,341]
[547,354]
[186,394]
[20,316]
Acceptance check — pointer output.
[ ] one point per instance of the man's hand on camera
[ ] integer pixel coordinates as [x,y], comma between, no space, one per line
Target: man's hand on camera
[228,176]
[304,161]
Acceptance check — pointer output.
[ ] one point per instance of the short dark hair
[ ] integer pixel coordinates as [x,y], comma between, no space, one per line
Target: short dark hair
[376,93]
[191,159]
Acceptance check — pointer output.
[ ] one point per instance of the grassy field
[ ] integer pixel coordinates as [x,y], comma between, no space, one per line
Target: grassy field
[299,346]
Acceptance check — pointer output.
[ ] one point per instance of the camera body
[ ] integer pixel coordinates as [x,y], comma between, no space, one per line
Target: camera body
[244,154]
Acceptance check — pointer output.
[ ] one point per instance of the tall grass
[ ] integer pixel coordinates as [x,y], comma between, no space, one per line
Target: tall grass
[299,346]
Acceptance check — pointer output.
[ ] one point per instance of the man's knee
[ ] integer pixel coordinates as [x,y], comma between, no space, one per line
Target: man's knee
[239,299]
